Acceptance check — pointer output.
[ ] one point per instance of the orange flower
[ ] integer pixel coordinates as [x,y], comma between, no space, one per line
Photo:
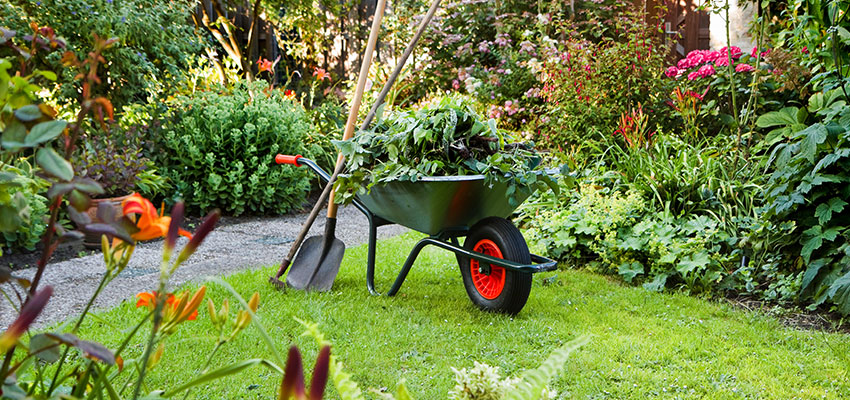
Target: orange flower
[176,309]
[265,65]
[151,225]
[321,74]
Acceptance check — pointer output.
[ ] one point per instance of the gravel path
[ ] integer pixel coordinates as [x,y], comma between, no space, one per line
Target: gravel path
[226,250]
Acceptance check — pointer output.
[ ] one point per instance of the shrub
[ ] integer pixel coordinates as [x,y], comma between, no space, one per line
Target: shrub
[22,207]
[114,159]
[703,97]
[218,149]
[805,199]
[617,233]
[587,85]
[155,40]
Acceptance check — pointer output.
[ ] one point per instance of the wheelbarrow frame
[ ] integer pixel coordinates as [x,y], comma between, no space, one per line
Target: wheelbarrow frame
[446,239]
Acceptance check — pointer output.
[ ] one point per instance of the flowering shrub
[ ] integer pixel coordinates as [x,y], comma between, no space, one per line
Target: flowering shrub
[706,84]
[587,85]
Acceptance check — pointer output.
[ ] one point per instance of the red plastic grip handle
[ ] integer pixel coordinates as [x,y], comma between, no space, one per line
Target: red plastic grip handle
[284,159]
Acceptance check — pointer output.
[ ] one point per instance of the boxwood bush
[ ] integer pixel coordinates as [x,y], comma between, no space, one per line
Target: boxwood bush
[218,148]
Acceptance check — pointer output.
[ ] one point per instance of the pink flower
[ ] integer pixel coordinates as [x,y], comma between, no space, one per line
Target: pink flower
[456,84]
[734,51]
[672,72]
[706,71]
[684,63]
[693,75]
[484,47]
[805,50]
[755,51]
[743,68]
[722,61]
[714,55]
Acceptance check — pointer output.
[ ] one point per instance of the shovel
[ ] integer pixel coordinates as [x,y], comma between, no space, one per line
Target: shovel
[317,263]
[281,159]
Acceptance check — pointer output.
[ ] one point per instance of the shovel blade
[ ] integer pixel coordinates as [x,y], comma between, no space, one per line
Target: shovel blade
[316,265]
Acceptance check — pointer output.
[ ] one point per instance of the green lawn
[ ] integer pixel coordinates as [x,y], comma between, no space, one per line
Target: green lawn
[643,344]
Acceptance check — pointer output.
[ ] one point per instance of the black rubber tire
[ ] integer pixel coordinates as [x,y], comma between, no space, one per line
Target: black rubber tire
[513,247]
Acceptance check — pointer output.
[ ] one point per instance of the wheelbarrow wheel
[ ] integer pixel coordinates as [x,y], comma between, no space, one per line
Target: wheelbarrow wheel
[490,287]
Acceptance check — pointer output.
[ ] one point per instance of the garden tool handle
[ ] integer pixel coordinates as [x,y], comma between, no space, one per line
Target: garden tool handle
[358,94]
[285,159]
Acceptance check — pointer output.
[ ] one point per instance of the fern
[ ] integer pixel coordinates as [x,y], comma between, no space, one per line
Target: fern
[347,388]
[534,380]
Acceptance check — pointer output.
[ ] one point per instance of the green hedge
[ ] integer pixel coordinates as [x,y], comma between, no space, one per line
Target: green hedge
[218,149]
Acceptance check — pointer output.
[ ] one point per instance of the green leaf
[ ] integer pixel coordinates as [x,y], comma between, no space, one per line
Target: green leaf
[10,219]
[777,135]
[657,283]
[809,276]
[814,242]
[14,136]
[784,117]
[824,211]
[224,371]
[630,270]
[839,293]
[44,132]
[49,75]
[28,113]
[50,161]
[45,348]
[692,262]
[812,137]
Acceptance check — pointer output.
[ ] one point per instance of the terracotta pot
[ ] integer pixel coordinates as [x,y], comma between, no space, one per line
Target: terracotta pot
[92,240]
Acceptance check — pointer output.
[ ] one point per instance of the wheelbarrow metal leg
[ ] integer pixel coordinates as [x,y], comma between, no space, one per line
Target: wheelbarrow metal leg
[370,260]
[402,275]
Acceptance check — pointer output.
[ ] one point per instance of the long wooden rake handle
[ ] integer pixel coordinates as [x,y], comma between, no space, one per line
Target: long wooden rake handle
[368,120]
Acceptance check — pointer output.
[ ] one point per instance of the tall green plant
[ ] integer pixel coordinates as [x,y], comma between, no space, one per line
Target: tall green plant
[154,36]
[806,195]
[218,148]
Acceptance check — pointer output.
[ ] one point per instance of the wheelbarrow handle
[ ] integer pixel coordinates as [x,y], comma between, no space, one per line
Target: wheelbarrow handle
[285,159]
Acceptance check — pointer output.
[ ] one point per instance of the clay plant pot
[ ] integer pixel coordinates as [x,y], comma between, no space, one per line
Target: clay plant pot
[92,240]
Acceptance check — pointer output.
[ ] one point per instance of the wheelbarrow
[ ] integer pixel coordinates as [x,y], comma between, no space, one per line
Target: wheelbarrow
[495,262]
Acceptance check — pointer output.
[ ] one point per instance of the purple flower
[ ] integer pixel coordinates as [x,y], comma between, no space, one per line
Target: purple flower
[526,47]
[484,47]
[503,39]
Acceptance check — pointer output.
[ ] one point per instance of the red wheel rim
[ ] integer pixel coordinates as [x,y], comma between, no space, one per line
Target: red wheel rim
[489,285]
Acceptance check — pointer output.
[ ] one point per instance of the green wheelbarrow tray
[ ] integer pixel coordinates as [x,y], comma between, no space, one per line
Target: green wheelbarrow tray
[435,204]
[445,208]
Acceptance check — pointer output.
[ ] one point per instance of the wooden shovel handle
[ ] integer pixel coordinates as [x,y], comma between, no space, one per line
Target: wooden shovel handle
[358,93]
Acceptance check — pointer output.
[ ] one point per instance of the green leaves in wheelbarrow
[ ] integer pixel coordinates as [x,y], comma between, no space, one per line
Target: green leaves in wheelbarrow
[448,139]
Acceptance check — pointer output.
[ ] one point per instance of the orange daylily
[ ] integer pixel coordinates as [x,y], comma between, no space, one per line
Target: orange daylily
[151,225]
[321,74]
[176,309]
[265,65]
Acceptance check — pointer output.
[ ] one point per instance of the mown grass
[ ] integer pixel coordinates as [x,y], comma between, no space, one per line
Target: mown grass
[643,344]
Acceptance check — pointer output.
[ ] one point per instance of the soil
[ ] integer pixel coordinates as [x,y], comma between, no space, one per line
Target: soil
[794,317]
